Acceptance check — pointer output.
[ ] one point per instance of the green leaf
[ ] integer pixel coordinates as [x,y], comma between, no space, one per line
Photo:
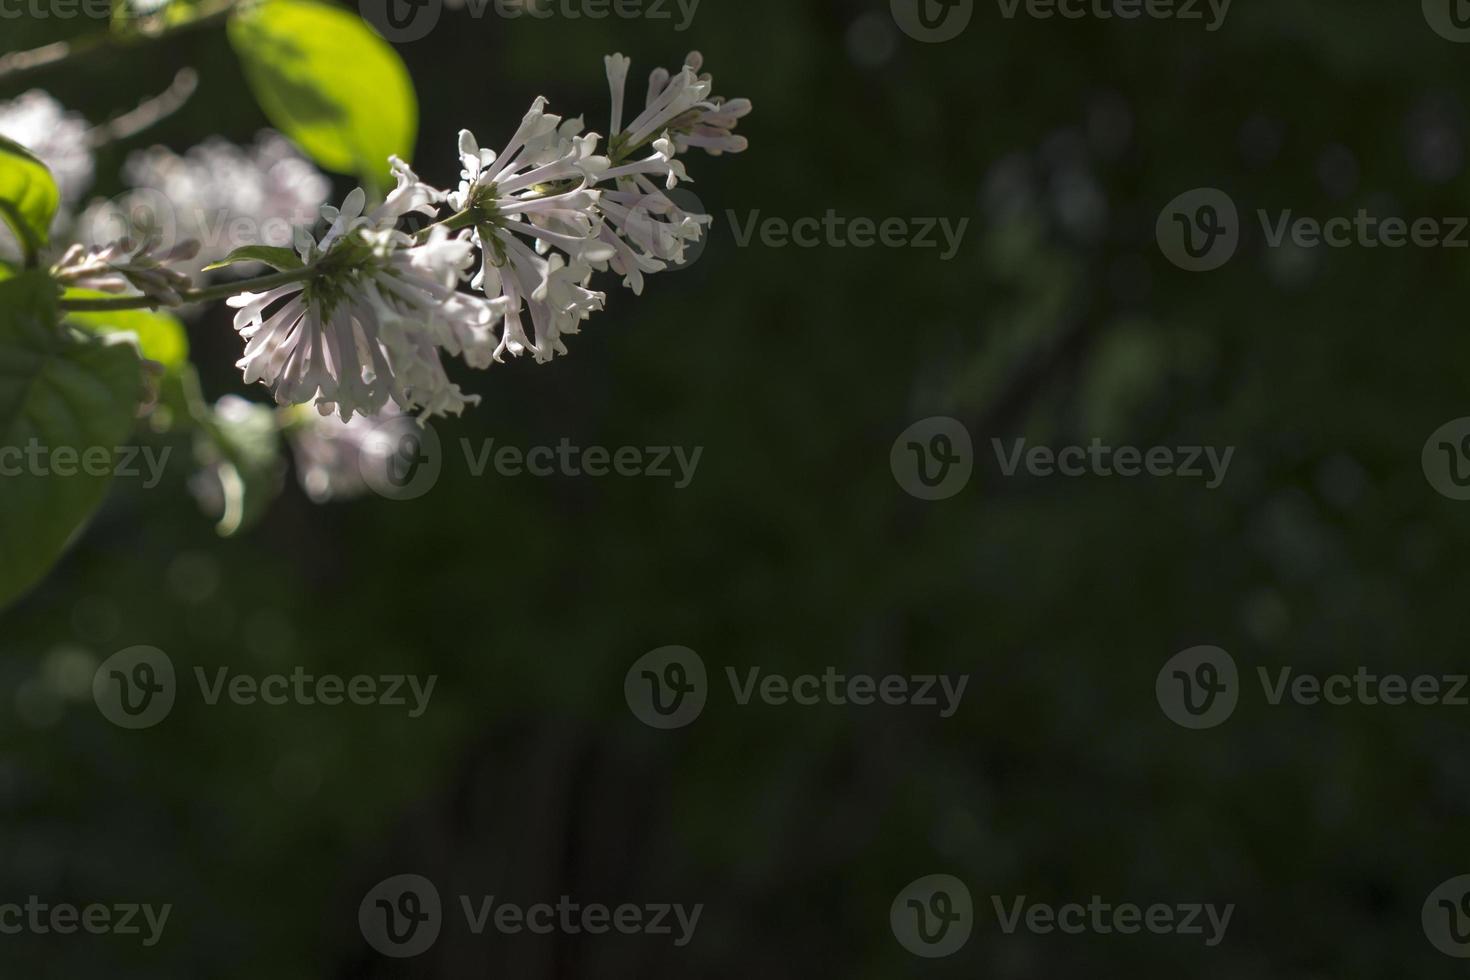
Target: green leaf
[66,403]
[28,195]
[161,336]
[329,82]
[280,259]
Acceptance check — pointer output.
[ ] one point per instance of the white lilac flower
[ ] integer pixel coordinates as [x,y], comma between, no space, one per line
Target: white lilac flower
[679,105]
[367,326]
[710,126]
[646,230]
[216,193]
[58,138]
[644,227]
[669,99]
[532,212]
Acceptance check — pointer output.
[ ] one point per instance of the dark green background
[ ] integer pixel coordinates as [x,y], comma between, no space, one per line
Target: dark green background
[795,549]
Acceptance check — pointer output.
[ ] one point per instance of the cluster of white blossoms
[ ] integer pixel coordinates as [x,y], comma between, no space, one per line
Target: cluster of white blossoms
[367,324]
[366,321]
[216,193]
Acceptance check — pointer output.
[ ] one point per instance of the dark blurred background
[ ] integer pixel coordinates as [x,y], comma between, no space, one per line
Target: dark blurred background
[795,548]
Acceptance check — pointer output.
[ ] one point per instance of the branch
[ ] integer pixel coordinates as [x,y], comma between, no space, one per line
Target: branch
[19,64]
[222,291]
[150,112]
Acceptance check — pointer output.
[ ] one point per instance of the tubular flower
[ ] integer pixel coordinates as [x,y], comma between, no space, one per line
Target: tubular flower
[366,324]
[526,203]
[644,227]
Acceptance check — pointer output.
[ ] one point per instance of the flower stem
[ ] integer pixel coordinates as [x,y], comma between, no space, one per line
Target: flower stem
[455,222]
[18,64]
[222,291]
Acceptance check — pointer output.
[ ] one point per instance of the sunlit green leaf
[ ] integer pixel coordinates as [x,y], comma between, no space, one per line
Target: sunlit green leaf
[328,81]
[28,195]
